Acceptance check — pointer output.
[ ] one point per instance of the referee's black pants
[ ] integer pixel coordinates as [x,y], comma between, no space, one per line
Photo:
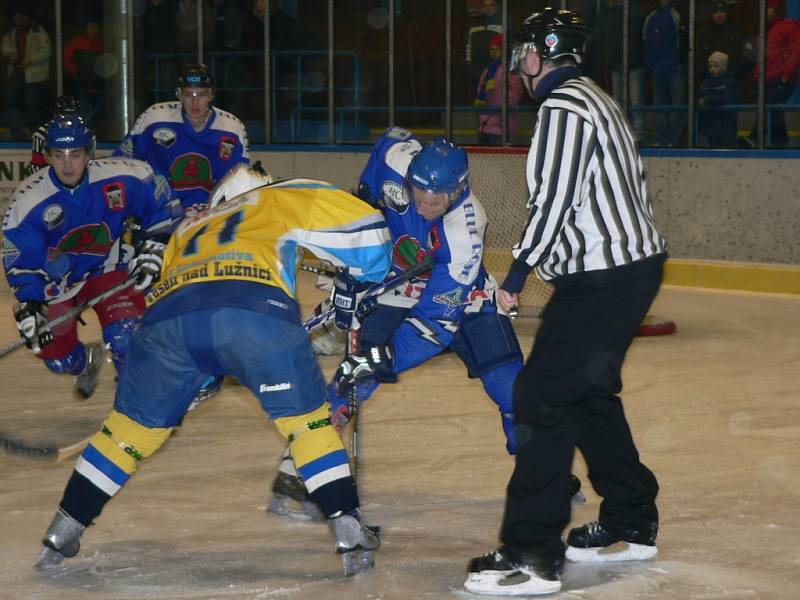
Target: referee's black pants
[566,397]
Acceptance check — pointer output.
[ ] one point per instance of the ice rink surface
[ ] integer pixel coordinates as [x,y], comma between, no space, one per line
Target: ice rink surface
[714,410]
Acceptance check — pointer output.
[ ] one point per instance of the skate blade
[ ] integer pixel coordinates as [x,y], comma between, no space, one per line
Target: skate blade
[505,583]
[619,552]
[356,561]
[48,559]
[283,506]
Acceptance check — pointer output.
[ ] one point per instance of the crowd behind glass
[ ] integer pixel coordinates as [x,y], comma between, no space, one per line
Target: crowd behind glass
[340,71]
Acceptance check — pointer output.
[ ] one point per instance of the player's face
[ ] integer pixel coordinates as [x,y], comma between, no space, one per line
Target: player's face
[495,52]
[430,205]
[195,101]
[69,164]
[714,68]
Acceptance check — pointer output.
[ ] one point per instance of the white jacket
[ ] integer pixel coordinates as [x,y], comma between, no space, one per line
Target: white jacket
[37,54]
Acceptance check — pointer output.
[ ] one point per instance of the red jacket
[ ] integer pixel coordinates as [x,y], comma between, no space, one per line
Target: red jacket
[85,43]
[783,50]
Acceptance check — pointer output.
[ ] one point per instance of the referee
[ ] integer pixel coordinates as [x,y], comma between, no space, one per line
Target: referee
[590,231]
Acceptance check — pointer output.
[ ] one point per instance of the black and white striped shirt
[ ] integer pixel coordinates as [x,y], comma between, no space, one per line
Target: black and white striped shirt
[588,203]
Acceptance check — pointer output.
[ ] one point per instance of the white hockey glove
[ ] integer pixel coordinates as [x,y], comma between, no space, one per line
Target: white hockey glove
[375,365]
[31,319]
[147,263]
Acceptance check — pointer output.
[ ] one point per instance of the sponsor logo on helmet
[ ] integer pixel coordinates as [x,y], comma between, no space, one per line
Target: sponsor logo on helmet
[550,40]
[164,137]
[53,216]
[115,195]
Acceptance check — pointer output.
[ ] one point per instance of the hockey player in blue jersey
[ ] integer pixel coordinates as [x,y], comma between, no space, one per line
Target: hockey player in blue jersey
[190,141]
[63,245]
[424,194]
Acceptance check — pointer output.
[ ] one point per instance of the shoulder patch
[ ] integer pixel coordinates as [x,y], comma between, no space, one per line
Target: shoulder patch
[394,196]
[398,133]
[164,136]
[10,252]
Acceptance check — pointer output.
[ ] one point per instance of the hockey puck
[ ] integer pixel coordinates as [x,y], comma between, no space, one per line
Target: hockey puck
[653,325]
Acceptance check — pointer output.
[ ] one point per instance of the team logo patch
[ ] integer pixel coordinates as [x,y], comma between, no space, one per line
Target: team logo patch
[550,40]
[406,253]
[226,146]
[164,137]
[93,239]
[114,194]
[191,171]
[451,298]
[394,196]
[10,252]
[53,216]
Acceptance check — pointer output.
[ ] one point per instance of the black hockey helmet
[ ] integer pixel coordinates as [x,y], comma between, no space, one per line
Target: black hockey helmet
[551,33]
[195,76]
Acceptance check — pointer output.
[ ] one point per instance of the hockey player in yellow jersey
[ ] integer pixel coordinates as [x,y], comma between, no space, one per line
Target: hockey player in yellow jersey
[225,305]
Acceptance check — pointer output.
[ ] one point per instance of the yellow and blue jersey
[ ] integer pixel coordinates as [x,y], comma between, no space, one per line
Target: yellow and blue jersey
[255,241]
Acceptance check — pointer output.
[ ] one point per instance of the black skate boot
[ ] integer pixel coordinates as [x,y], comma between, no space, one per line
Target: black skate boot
[505,572]
[594,543]
[61,540]
[289,491]
[355,542]
[86,381]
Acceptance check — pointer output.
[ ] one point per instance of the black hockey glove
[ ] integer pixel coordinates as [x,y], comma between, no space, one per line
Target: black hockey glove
[31,319]
[347,293]
[147,263]
[376,365]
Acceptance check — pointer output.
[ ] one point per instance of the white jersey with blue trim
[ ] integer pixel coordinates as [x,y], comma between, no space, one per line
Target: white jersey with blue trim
[455,240]
[193,161]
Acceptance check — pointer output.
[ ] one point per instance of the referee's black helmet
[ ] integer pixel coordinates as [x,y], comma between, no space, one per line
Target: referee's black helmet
[551,33]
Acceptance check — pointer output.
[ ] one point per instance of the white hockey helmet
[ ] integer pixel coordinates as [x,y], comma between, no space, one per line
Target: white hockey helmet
[238,180]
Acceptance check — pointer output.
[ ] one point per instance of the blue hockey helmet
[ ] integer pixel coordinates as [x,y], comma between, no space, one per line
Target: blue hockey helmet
[69,130]
[440,167]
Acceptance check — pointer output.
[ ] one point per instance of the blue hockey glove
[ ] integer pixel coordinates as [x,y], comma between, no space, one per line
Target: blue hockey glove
[374,365]
[32,324]
[347,292]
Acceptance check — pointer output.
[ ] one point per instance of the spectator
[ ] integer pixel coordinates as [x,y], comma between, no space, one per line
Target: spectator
[717,127]
[783,61]
[159,41]
[81,56]
[490,92]
[228,40]
[186,34]
[607,42]
[26,49]
[721,34]
[665,58]
[478,38]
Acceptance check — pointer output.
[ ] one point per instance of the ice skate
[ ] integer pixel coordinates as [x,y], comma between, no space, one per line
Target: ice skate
[86,381]
[593,543]
[61,540]
[496,574]
[290,499]
[355,542]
